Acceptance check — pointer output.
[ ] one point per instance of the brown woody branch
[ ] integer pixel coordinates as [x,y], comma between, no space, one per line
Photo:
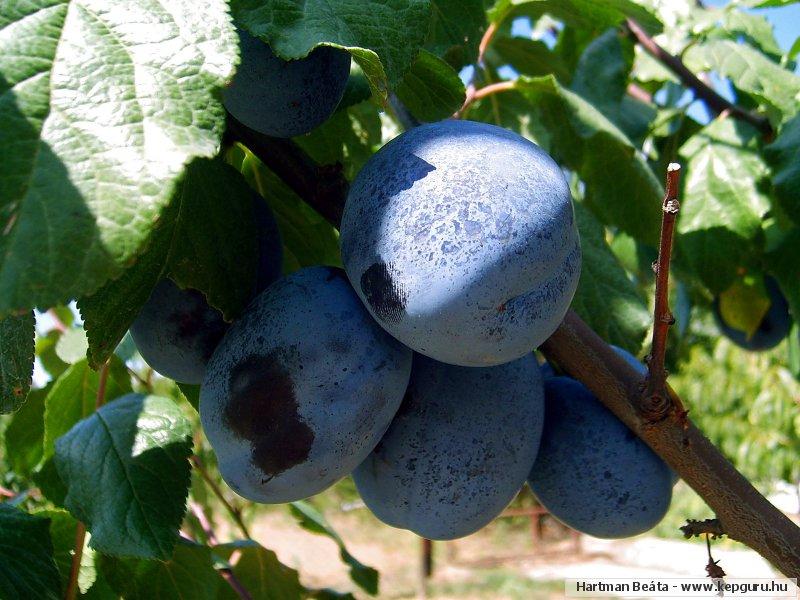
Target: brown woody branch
[656,403]
[742,511]
[717,103]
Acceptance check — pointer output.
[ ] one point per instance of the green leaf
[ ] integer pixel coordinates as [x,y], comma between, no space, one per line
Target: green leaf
[308,239]
[206,240]
[755,28]
[46,352]
[456,29]
[620,187]
[27,568]
[782,263]
[25,434]
[72,345]
[73,396]
[719,226]
[528,57]
[431,89]
[752,72]
[601,77]
[63,529]
[189,573]
[587,14]
[102,104]
[16,360]
[260,572]
[606,298]
[127,475]
[782,158]
[383,37]
[312,520]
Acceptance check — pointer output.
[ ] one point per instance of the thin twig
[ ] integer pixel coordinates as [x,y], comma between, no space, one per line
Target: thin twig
[226,573]
[695,528]
[485,92]
[234,513]
[58,324]
[480,64]
[657,402]
[712,99]
[6,493]
[101,386]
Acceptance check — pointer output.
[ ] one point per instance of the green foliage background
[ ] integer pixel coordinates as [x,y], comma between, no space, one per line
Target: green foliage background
[113,175]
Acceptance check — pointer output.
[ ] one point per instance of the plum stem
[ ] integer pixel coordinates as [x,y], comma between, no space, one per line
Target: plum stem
[211,536]
[235,514]
[657,403]
[715,102]
[80,530]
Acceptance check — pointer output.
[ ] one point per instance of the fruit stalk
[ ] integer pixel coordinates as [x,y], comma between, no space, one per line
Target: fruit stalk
[744,514]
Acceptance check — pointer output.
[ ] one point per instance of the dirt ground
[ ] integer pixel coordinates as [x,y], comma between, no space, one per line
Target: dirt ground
[498,562]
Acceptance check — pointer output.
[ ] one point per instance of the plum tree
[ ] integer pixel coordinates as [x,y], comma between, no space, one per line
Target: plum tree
[301,388]
[286,98]
[592,472]
[460,238]
[176,331]
[771,330]
[459,448]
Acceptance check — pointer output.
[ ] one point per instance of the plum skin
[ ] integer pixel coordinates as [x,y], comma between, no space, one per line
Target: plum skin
[592,472]
[176,330]
[458,450]
[286,98]
[301,388]
[775,325]
[461,240]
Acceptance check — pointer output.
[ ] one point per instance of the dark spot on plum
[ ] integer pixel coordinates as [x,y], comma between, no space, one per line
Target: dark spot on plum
[335,273]
[262,408]
[623,500]
[385,295]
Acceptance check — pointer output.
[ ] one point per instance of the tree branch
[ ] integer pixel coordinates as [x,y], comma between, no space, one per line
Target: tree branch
[234,513]
[743,512]
[656,403]
[712,99]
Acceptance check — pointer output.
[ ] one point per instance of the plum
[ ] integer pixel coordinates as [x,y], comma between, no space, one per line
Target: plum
[301,388]
[458,450]
[286,98]
[592,472]
[176,331]
[461,240]
[773,327]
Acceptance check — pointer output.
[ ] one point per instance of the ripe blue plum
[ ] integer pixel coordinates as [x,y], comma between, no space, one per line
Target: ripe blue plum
[176,331]
[458,450]
[286,98]
[592,472]
[461,240]
[301,388]
[773,327]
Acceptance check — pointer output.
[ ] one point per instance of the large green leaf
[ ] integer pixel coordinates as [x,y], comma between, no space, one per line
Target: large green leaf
[308,239]
[782,156]
[16,359]
[25,434]
[73,396]
[528,57]
[27,568]
[205,240]
[606,298]
[752,72]
[312,520]
[431,89]
[383,36]
[722,205]
[189,573]
[260,572]
[620,187]
[456,29]
[102,103]
[127,473]
[589,14]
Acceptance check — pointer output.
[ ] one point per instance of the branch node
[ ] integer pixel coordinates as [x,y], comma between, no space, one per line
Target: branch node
[696,528]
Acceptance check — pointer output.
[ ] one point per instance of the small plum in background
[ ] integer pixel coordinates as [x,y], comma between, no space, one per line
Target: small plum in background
[773,327]
[284,98]
[301,388]
[460,239]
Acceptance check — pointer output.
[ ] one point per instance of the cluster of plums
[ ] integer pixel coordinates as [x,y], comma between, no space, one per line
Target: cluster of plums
[413,368]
